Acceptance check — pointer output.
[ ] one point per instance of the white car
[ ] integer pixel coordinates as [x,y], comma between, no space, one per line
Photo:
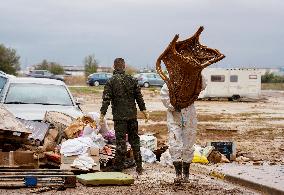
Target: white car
[31,98]
[3,79]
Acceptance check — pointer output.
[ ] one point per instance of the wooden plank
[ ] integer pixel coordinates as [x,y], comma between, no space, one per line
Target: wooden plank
[33,170]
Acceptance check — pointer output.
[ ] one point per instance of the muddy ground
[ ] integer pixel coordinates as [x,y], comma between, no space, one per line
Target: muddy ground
[156,180]
[257,127]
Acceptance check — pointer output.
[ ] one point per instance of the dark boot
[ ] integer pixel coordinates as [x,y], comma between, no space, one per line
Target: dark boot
[139,168]
[138,160]
[178,169]
[185,167]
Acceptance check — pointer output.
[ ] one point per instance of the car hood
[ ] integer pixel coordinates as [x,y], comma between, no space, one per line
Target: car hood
[37,111]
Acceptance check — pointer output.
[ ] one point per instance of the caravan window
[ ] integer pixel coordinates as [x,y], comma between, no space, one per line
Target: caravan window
[217,78]
[234,78]
[252,76]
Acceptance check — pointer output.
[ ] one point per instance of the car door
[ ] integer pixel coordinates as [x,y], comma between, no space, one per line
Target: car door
[47,74]
[152,79]
[38,74]
[103,79]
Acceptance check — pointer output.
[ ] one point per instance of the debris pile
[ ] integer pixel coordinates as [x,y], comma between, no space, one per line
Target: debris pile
[59,141]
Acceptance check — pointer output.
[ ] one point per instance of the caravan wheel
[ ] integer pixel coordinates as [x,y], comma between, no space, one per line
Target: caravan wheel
[235,97]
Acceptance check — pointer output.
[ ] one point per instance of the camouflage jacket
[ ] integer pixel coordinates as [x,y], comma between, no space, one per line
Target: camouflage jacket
[122,90]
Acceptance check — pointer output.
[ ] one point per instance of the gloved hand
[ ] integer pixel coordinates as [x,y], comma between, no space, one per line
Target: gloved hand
[146,115]
[102,120]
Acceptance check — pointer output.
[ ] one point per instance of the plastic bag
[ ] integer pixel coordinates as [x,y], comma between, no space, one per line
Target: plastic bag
[83,162]
[147,155]
[198,156]
[166,158]
[99,141]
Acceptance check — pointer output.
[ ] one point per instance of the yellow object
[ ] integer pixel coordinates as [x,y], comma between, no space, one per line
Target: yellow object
[146,115]
[198,158]
[217,174]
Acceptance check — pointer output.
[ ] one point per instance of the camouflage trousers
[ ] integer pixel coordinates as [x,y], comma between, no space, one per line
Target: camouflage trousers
[130,127]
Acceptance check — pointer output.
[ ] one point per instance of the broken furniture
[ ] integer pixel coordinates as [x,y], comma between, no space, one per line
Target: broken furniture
[184,61]
[12,132]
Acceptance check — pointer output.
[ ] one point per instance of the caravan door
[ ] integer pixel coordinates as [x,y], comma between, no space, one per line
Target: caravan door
[234,85]
[254,85]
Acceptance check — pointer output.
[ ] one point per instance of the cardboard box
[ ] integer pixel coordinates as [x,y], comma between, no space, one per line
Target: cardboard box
[18,159]
[94,151]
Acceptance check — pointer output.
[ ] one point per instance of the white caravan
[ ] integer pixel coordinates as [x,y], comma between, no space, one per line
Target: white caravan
[231,83]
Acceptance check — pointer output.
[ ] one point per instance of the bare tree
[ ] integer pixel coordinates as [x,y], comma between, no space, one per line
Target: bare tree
[91,64]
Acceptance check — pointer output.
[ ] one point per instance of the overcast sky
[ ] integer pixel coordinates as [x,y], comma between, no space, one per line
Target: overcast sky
[249,32]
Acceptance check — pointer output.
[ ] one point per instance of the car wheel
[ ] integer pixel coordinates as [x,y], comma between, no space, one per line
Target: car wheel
[146,85]
[96,83]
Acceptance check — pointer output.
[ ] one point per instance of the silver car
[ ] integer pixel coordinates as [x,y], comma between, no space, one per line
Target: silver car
[149,79]
[31,98]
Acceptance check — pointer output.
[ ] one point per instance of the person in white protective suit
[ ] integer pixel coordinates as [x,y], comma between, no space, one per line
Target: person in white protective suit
[182,125]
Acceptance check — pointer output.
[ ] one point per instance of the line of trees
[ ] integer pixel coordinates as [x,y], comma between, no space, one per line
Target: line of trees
[53,67]
[272,78]
[10,63]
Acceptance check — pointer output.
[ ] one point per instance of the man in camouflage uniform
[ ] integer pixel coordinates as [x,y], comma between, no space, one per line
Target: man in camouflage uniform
[122,90]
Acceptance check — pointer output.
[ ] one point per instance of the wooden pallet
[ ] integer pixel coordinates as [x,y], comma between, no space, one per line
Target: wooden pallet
[18,178]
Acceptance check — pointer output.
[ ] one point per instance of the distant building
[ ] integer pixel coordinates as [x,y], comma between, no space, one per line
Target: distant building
[145,70]
[280,72]
[104,69]
[74,70]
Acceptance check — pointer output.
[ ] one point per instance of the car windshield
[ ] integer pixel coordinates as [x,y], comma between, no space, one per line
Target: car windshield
[27,93]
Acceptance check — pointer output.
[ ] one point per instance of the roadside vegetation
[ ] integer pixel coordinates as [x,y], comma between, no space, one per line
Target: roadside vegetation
[85,90]
[270,81]
[272,78]
[75,80]
[272,86]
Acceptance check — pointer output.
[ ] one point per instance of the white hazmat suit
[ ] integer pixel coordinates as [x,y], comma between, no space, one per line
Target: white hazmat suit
[182,128]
